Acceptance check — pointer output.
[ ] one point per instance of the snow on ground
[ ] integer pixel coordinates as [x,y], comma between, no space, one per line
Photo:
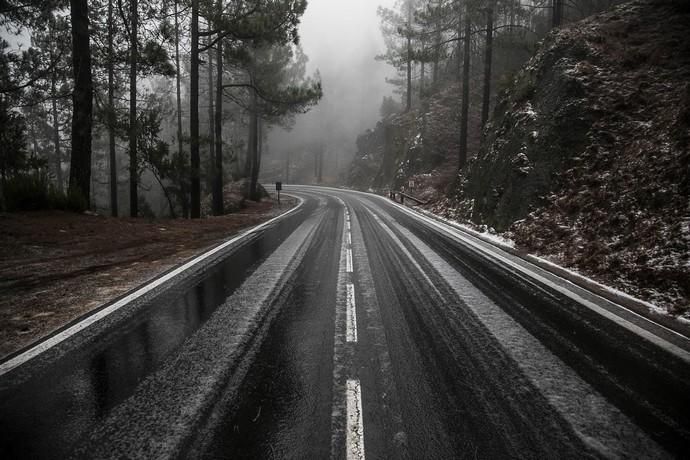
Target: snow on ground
[504,241]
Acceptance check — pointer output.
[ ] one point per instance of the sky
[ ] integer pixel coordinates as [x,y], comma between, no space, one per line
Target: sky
[341,39]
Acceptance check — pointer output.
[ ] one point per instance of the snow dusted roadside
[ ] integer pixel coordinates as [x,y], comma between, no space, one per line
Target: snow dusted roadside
[645,306]
[585,163]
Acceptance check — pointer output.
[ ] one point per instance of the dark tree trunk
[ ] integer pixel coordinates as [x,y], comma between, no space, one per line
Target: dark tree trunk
[254,149]
[218,120]
[111,114]
[82,102]
[56,134]
[211,126]
[488,57]
[465,93]
[421,82]
[133,58]
[434,74]
[259,152]
[460,42]
[557,16]
[56,115]
[185,208]
[194,115]
[248,160]
[437,54]
[408,105]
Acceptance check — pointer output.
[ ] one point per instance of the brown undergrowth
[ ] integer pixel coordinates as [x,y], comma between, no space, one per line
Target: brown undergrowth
[56,266]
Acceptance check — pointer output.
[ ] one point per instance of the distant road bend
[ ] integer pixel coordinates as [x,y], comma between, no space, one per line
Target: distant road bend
[354,328]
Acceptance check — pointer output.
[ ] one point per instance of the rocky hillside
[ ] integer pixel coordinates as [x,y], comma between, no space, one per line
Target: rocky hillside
[586,158]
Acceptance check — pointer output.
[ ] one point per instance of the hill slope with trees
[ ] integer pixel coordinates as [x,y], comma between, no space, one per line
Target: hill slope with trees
[587,156]
[585,160]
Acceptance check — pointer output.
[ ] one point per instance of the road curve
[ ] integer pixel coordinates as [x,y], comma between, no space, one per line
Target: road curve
[352,328]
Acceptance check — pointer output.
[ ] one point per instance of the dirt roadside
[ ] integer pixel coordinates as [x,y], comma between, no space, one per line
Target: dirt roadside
[56,266]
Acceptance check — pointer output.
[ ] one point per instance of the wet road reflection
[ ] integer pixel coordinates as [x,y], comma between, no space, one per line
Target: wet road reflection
[45,416]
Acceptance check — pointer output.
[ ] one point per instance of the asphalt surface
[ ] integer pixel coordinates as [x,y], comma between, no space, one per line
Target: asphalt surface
[354,328]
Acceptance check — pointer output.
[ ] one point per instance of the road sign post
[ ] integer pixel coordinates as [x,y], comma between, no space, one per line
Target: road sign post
[279,187]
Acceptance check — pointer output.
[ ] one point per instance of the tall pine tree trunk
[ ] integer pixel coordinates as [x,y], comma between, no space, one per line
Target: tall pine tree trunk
[421,81]
[408,105]
[185,208]
[488,57]
[248,161]
[458,51]
[437,51]
[133,58]
[82,102]
[254,148]
[211,126]
[111,114]
[218,120]
[259,151]
[464,115]
[557,16]
[195,212]
[56,117]
[56,133]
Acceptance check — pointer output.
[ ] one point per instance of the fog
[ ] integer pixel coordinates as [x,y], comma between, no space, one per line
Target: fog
[341,39]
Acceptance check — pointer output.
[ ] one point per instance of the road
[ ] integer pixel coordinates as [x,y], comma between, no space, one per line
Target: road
[354,328]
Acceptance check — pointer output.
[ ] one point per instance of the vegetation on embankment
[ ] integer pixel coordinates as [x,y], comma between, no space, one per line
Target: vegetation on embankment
[585,160]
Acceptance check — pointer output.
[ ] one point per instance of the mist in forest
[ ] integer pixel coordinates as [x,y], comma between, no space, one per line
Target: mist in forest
[341,39]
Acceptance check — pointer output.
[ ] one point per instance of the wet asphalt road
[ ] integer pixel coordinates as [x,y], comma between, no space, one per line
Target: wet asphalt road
[352,328]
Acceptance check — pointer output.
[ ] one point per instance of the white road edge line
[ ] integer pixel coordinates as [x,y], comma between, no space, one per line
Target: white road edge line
[45,345]
[640,331]
[355,424]
[351,330]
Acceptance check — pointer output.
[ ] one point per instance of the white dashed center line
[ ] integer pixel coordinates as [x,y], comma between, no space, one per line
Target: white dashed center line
[351,334]
[348,422]
[355,426]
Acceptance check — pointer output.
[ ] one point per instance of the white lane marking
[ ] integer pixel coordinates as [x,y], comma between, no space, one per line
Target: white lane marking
[369,313]
[355,424]
[344,430]
[349,238]
[88,321]
[351,334]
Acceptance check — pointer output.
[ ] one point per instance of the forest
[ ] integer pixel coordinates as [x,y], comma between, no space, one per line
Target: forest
[106,103]
[478,44]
